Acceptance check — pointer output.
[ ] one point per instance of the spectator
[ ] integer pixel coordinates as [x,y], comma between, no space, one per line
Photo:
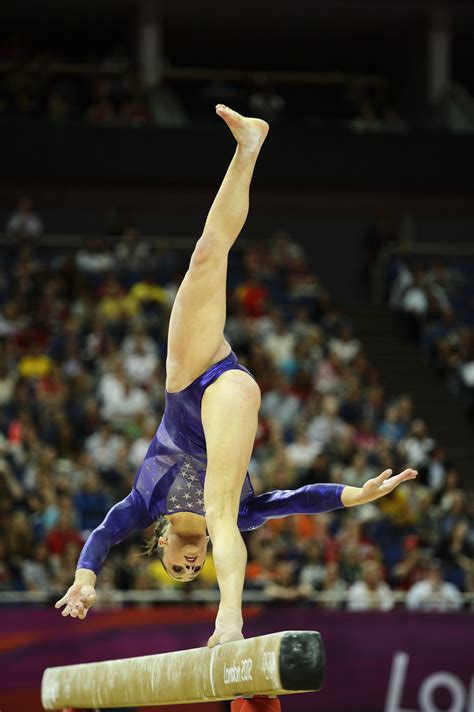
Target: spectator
[333,587]
[456,553]
[140,445]
[417,446]
[121,400]
[37,572]
[359,470]
[63,534]
[104,447]
[327,425]
[140,362]
[91,503]
[432,593]
[131,252]
[303,450]
[345,346]
[95,257]
[313,570]
[370,592]
[19,538]
[283,587]
[24,224]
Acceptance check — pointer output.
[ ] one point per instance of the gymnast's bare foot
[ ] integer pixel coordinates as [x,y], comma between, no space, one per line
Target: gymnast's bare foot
[248,132]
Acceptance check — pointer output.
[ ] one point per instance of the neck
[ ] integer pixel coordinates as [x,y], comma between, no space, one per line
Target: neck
[187,524]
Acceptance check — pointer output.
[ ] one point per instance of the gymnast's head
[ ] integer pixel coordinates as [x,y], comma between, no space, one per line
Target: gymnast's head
[180,542]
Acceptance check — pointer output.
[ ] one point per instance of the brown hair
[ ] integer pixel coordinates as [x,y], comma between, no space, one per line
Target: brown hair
[153,545]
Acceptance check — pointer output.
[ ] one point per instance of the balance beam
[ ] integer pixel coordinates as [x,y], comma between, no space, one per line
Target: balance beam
[275,664]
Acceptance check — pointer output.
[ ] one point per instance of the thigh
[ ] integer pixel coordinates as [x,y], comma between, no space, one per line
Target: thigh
[196,329]
[230,418]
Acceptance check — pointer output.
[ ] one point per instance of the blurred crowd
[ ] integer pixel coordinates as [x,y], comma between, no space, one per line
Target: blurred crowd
[104,89]
[100,90]
[436,298]
[82,354]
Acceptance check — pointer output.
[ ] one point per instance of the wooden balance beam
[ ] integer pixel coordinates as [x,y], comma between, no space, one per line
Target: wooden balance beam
[269,665]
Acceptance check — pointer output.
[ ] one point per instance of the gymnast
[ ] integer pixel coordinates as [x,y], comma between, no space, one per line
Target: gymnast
[193,481]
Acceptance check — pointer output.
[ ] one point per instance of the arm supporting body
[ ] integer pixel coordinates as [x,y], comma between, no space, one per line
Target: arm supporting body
[121,520]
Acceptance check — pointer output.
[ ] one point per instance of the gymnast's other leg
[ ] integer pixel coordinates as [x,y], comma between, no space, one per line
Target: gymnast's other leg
[196,330]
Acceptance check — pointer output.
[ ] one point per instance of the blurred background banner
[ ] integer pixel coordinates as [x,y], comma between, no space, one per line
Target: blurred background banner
[401,662]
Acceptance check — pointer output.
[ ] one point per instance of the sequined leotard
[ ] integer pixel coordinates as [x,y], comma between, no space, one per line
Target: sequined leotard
[171,478]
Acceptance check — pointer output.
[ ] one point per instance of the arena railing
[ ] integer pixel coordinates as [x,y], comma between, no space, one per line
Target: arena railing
[77,241]
[198,74]
[149,597]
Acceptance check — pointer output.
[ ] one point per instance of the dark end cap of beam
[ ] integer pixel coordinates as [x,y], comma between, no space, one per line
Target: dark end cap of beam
[302,661]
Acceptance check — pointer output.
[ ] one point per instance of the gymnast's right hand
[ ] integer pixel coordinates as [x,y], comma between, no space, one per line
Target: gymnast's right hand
[80,596]
[228,627]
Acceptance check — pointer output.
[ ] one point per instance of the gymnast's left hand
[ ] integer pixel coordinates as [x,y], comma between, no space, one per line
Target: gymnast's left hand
[376,487]
[385,483]
[228,627]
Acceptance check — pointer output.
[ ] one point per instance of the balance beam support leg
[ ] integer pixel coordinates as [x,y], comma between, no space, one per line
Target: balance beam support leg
[256,704]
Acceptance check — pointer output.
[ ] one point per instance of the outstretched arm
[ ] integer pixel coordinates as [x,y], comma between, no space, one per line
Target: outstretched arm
[315,499]
[121,520]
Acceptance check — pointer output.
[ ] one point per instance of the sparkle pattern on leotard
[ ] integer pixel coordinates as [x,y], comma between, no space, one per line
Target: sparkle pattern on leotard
[186,493]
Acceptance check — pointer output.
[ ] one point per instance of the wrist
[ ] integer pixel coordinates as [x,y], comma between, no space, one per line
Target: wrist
[85,577]
[352,496]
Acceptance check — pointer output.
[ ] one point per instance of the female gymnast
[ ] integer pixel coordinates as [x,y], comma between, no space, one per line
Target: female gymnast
[194,477]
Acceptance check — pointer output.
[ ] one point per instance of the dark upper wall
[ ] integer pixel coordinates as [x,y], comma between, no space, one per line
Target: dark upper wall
[292,158]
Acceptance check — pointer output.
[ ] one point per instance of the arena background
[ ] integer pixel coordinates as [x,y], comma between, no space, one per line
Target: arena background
[352,280]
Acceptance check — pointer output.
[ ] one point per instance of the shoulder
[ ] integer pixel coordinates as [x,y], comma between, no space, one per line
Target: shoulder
[235,382]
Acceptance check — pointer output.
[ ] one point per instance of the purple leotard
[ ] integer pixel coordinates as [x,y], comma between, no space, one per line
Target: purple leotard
[171,478]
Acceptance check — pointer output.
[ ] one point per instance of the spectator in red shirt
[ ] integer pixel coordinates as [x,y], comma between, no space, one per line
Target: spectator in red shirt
[63,534]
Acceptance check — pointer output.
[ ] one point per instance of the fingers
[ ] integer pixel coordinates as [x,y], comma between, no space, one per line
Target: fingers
[407,474]
[383,476]
[404,476]
[75,611]
[61,602]
[221,638]
[76,607]
[213,641]
[89,599]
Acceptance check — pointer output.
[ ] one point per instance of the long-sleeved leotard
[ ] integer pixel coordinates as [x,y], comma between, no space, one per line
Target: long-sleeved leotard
[171,479]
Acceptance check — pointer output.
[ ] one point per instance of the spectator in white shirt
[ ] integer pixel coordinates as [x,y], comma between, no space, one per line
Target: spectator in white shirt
[371,592]
[24,223]
[344,345]
[121,401]
[280,402]
[280,343]
[95,257]
[432,593]
[104,447]
[303,450]
[328,424]
[140,363]
[417,446]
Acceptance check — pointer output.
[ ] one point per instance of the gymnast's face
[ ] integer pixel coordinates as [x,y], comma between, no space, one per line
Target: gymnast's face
[183,556]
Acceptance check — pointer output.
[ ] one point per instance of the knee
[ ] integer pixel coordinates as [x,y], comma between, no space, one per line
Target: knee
[221,515]
[208,249]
